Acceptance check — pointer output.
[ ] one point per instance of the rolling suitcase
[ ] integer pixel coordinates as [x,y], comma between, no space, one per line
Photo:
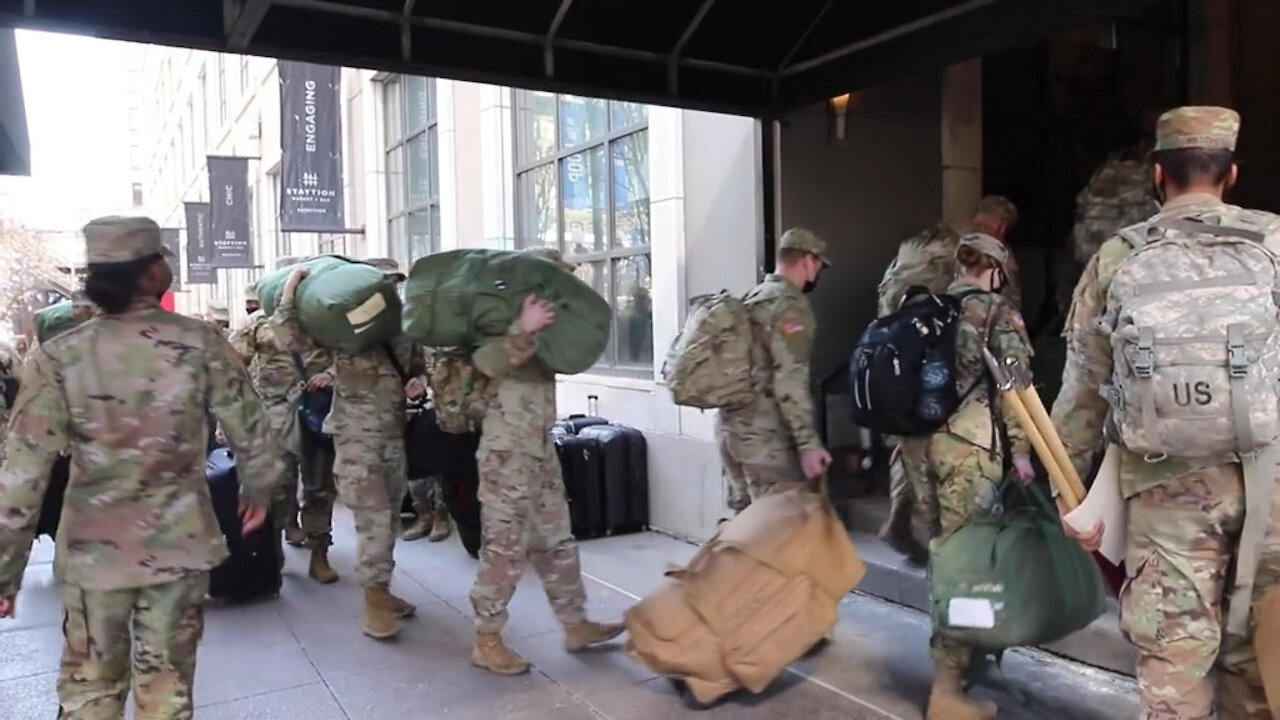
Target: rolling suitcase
[583,485]
[623,460]
[575,424]
[253,569]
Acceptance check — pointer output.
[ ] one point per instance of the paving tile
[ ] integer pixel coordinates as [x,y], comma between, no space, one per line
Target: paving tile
[34,696]
[313,702]
[33,651]
[39,602]
[243,657]
[594,670]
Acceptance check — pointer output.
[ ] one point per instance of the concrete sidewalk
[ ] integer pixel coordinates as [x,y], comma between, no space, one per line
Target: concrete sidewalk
[302,655]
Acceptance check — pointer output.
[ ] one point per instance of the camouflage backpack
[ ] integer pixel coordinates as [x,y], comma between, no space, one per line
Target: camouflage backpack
[1118,195]
[1193,319]
[459,391]
[928,259]
[709,365]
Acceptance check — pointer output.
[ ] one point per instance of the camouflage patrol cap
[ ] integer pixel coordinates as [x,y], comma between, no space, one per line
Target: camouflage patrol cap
[289,261]
[387,265]
[1201,127]
[251,292]
[797,238]
[219,311]
[118,239]
[997,206]
[554,256]
[987,245]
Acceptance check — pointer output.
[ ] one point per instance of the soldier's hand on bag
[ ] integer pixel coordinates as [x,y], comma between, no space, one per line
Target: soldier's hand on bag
[7,606]
[414,389]
[320,381]
[815,462]
[1091,540]
[251,517]
[1023,469]
[291,285]
[536,314]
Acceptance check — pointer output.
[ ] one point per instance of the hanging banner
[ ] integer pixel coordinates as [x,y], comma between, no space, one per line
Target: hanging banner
[169,238]
[199,247]
[311,148]
[229,212]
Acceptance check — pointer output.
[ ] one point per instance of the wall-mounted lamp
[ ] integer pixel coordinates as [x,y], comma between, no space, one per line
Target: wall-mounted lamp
[838,118]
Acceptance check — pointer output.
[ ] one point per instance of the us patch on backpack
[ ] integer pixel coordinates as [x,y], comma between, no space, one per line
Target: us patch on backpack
[1192,314]
[903,369]
[709,365]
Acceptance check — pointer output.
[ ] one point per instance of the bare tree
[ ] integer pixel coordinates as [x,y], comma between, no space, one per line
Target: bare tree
[32,278]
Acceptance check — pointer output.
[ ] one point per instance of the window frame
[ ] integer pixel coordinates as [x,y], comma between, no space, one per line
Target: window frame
[401,247]
[612,252]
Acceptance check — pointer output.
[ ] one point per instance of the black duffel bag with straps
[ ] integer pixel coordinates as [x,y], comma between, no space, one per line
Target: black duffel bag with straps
[314,405]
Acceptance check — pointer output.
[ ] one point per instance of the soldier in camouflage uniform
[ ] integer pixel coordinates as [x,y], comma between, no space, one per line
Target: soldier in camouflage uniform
[126,395]
[1119,194]
[965,459]
[772,444]
[523,511]
[433,520]
[281,378]
[219,315]
[1184,516]
[929,259]
[367,423]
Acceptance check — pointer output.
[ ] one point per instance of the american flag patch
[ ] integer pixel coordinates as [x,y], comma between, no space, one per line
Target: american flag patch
[792,327]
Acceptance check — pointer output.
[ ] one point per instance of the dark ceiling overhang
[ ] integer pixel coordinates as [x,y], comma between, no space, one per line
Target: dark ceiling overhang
[751,57]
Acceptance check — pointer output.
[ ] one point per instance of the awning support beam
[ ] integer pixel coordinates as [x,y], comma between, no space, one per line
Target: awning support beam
[673,64]
[335,8]
[549,47]
[886,36]
[804,37]
[406,32]
[245,19]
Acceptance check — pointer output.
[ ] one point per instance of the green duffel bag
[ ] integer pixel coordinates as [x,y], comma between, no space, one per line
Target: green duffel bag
[1014,580]
[55,320]
[459,297]
[343,304]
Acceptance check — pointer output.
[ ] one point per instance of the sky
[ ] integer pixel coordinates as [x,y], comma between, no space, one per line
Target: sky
[76,91]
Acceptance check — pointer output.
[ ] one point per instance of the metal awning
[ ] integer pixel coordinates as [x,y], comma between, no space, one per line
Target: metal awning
[752,57]
[15,144]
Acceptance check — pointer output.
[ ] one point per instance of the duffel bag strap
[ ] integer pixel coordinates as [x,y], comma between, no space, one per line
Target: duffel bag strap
[1259,485]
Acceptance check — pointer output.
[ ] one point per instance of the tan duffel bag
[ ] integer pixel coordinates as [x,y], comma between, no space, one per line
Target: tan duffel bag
[753,600]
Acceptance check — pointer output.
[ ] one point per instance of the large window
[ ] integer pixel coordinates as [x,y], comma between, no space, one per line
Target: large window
[582,187]
[413,174]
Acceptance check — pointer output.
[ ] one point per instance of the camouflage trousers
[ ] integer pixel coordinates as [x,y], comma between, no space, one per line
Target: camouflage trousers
[370,475]
[524,516]
[962,483]
[909,462]
[755,474]
[428,497]
[316,467]
[1182,540]
[145,637]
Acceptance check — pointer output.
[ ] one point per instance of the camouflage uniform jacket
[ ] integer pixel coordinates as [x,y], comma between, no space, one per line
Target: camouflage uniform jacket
[127,396]
[368,391]
[929,259]
[783,328]
[973,422]
[1080,411]
[271,364]
[521,395]
[1119,194]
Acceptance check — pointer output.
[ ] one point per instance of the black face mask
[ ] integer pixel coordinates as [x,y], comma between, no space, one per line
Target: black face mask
[250,308]
[809,286]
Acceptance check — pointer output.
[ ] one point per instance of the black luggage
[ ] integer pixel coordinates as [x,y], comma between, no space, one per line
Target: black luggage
[460,480]
[580,467]
[624,473]
[575,424]
[253,569]
[54,495]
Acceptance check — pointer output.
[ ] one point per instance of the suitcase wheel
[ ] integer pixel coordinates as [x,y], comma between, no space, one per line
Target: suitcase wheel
[686,696]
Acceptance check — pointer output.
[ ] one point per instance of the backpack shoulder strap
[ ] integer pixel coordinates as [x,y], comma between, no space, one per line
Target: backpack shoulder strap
[1199,227]
[395,362]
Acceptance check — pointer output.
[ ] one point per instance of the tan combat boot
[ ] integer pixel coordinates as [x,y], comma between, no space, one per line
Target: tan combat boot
[321,571]
[947,700]
[379,620]
[583,635]
[492,654]
[293,533]
[419,529]
[401,607]
[441,530]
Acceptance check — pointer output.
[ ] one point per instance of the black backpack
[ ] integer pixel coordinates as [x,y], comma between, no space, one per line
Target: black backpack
[903,368]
